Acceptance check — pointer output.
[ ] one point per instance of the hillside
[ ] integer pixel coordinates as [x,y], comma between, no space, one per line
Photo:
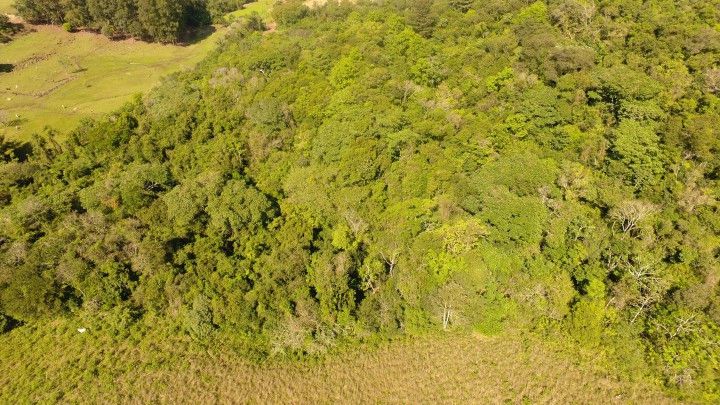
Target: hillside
[367,172]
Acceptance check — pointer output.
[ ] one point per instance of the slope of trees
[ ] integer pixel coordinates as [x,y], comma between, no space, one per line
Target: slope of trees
[370,170]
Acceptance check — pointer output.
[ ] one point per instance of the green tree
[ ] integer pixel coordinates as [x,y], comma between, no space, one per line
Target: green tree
[422,18]
[637,147]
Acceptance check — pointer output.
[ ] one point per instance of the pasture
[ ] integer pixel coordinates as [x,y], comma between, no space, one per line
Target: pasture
[58,78]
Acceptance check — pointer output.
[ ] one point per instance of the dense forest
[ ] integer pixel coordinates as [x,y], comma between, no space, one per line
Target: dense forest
[395,167]
[154,20]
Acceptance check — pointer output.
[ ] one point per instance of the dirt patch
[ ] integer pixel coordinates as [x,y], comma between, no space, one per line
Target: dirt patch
[271,27]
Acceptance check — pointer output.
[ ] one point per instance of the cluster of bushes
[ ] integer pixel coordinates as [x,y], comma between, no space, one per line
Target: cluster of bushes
[153,20]
[374,169]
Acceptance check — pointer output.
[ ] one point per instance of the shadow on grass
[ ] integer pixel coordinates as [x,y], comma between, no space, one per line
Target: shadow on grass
[197,35]
[6,67]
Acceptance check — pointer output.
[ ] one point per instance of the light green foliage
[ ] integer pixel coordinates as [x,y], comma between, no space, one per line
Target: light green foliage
[289,11]
[500,80]
[536,12]
[637,147]
[346,70]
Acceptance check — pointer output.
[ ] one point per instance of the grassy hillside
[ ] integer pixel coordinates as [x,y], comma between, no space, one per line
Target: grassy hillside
[60,78]
[53,362]
[262,7]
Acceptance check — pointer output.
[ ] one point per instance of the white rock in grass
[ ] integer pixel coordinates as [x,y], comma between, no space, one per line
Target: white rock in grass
[82,330]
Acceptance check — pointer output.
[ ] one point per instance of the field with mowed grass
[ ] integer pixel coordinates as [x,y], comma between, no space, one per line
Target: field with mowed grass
[54,362]
[58,78]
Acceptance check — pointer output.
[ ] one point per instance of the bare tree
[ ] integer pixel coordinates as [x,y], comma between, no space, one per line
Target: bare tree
[649,287]
[446,315]
[695,195]
[684,325]
[629,214]
[712,80]
[391,259]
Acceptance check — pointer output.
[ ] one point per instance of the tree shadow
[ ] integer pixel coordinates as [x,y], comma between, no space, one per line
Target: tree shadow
[197,35]
[6,67]
[11,149]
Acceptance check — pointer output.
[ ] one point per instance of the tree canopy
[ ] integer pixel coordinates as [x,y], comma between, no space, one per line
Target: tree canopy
[373,169]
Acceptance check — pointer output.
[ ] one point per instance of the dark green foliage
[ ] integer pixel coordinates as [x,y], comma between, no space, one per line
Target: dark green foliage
[41,11]
[155,20]
[421,17]
[462,5]
[383,168]
[8,29]
[255,23]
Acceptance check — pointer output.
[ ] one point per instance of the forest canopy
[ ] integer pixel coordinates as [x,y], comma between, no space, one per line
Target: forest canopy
[394,167]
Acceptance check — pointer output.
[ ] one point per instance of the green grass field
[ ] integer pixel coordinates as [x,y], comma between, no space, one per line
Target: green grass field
[6,6]
[52,362]
[59,78]
[262,7]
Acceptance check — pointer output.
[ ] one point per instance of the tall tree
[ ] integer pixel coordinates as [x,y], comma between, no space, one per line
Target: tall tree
[422,18]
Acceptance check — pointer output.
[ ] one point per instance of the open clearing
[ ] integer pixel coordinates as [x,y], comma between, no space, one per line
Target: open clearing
[6,6]
[58,78]
[261,7]
[54,362]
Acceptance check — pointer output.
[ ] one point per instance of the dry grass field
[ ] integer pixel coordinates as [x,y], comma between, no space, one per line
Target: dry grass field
[53,362]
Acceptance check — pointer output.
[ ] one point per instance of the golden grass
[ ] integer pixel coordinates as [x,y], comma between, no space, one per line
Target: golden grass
[55,363]
[6,6]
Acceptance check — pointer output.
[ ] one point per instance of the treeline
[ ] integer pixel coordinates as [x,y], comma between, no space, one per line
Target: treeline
[153,20]
[373,169]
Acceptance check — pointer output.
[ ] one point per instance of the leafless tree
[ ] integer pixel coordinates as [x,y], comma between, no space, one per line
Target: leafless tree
[391,260]
[629,214]
[649,286]
[712,80]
